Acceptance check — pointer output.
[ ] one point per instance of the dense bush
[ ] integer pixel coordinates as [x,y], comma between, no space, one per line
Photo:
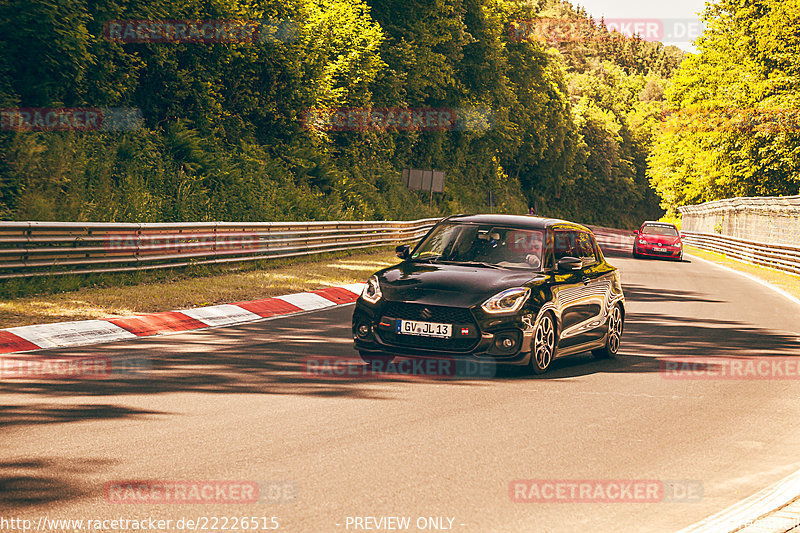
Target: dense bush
[224,138]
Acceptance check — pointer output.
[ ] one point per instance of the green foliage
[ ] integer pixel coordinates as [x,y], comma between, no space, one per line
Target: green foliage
[723,137]
[224,135]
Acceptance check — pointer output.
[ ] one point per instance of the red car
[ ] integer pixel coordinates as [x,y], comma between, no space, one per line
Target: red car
[658,239]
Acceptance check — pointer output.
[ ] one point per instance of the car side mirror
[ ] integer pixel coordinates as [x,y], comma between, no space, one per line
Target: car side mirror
[569,264]
[403,251]
[636,232]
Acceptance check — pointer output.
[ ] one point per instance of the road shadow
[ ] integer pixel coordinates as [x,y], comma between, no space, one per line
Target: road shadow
[670,336]
[649,339]
[39,414]
[270,357]
[273,360]
[641,293]
[25,484]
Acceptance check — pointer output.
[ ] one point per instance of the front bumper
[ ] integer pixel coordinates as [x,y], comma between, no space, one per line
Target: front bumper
[480,344]
[672,252]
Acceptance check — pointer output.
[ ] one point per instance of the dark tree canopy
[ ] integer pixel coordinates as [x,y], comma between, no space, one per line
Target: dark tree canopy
[224,138]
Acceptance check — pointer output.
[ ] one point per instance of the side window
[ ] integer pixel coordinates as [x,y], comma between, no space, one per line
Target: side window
[564,245]
[548,251]
[586,248]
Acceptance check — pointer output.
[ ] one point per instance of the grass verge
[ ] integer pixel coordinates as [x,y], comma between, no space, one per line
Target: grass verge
[149,292]
[783,280]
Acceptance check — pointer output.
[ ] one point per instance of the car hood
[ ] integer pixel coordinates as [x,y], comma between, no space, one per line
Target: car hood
[450,285]
[663,239]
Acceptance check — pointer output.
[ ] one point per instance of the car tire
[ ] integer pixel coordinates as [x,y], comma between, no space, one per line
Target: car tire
[371,358]
[635,255]
[544,345]
[614,335]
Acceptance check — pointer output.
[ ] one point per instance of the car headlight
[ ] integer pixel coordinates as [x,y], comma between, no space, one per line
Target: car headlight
[679,244]
[642,241]
[508,301]
[372,292]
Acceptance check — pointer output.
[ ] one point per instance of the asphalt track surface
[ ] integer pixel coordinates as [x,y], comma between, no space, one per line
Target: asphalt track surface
[237,403]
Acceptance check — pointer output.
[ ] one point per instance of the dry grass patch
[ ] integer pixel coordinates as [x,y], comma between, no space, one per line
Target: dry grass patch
[106,302]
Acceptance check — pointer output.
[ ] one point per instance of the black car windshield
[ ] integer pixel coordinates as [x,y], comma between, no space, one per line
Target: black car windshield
[652,229]
[483,244]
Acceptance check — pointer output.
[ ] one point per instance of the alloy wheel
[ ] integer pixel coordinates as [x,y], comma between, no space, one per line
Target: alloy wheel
[544,344]
[614,329]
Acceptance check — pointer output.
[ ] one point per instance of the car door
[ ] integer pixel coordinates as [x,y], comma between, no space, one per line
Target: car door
[596,281]
[568,289]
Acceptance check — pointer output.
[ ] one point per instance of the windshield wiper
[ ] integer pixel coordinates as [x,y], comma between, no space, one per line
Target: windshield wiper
[472,263]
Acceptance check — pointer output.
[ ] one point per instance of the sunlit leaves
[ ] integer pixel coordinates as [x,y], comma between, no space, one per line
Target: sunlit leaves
[726,135]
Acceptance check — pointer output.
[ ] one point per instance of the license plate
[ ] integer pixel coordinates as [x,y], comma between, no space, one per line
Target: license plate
[657,249]
[424,329]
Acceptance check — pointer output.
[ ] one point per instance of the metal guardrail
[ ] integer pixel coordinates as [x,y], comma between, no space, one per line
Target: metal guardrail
[29,249]
[778,256]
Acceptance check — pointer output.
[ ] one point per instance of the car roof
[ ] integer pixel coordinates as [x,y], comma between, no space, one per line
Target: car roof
[659,223]
[519,221]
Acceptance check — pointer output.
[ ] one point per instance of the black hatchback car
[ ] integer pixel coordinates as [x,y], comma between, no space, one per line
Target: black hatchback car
[505,289]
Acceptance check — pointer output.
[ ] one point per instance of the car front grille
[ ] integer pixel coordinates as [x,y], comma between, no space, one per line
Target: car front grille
[430,313]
